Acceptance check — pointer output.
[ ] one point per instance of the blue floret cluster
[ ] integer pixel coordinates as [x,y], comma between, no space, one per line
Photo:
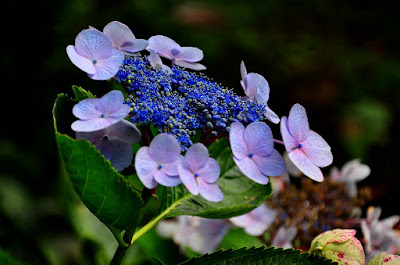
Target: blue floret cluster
[182,102]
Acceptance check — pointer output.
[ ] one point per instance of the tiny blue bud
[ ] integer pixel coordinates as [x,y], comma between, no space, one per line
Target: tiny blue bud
[159,167]
[196,175]
[251,155]
[102,115]
[94,61]
[300,146]
[105,137]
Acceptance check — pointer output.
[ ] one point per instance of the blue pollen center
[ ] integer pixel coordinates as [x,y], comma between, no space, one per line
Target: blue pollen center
[300,146]
[159,167]
[94,61]
[105,137]
[102,115]
[196,175]
[251,155]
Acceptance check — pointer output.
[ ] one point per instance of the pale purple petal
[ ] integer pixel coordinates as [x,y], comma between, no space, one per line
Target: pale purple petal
[288,140]
[250,170]
[92,137]
[298,123]
[146,167]
[118,33]
[157,63]
[242,220]
[163,45]
[108,67]
[210,191]
[171,169]
[133,46]
[87,109]
[256,229]
[272,165]
[93,44]
[193,66]
[284,237]
[99,113]
[210,171]
[256,83]
[121,155]
[111,104]
[196,157]
[188,179]
[164,148]
[258,138]
[236,139]
[301,161]
[355,171]
[317,150]
[124,131]
[191,54]
[91,125]
[80,61]
[243,74]
[169,181]
[271,115]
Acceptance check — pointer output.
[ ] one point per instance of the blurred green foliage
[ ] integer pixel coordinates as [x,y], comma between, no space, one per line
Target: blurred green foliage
[339,59]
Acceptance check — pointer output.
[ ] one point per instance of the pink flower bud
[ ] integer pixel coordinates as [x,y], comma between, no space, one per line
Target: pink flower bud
[385,258]
[339,245]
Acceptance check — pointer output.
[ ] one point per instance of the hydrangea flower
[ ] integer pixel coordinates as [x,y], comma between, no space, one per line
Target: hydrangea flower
[351,172]
[256,222]
[256,88]
[201,235]
[94,54]
[379,235]
[158,162]
[98,113]
[284,237]
[114,142]
[307,149]
[199,173]
[254,153]
[123,39]
[182,56]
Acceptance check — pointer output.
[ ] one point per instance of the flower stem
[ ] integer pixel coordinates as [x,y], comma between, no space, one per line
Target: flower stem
[279,142]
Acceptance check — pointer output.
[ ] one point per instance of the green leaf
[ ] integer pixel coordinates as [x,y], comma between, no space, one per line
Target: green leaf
[238,238]
[259,256]
[241,195]
[105,192]
[81,93]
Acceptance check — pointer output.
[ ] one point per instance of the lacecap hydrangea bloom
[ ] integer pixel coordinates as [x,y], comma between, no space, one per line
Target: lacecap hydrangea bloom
[179,105]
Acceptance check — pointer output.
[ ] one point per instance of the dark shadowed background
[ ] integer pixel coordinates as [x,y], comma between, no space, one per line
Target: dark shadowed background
[340,60]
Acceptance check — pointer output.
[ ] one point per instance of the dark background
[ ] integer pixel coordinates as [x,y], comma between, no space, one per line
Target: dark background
[340,60]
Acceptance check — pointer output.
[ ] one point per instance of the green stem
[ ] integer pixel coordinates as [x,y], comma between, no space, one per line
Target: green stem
[118,237]
[153,222]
